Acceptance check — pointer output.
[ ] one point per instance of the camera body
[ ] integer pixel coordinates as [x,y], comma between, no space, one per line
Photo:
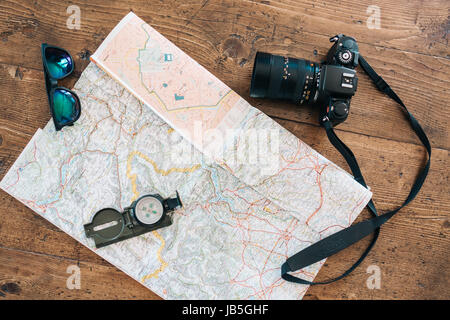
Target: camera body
[329,85]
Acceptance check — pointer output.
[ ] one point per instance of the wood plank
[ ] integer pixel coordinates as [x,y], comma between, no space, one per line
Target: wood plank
[24,230]
[26,275]
[412,26]
[412,252]
[371,112]
[226,47]
[411,265]
[24,105]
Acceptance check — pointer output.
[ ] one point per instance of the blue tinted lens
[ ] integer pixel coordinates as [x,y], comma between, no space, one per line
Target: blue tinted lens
[59,63]
[65,106]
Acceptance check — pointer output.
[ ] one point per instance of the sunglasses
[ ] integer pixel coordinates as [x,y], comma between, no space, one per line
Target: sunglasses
[64,104]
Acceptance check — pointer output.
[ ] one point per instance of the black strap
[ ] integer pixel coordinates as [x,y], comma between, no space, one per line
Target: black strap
[346,237]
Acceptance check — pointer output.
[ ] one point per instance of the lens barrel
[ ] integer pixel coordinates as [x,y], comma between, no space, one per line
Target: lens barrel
[278,77]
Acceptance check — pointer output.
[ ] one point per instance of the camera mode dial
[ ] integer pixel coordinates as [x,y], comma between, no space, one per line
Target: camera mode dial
[345,56]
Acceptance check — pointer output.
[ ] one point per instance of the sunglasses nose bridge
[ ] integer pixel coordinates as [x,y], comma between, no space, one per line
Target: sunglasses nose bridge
[53,82]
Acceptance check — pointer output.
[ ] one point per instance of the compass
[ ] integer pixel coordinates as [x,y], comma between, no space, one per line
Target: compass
[148,213]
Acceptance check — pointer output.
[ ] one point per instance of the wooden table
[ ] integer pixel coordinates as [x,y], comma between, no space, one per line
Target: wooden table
[410,51]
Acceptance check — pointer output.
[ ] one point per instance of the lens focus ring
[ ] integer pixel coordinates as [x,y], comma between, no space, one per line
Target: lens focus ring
[279,77]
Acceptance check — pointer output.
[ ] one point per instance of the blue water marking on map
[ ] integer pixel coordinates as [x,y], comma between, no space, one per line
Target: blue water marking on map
[177,97]
[47,201]
[215,181]
[165,85]
[168,57]
[63,173]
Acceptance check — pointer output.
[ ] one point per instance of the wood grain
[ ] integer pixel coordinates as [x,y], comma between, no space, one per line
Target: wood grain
[410,51]
[44,277]
[422,228]
[224,39]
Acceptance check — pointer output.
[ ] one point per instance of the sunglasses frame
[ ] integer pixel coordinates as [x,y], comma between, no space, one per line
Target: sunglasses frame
[51,85]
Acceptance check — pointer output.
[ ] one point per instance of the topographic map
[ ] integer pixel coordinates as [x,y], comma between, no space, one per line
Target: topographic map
[137,135]
[221,124]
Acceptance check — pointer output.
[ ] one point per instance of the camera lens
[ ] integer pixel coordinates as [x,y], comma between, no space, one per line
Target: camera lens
[278,77]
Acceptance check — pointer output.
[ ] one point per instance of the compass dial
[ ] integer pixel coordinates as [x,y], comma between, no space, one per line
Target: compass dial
[149,210]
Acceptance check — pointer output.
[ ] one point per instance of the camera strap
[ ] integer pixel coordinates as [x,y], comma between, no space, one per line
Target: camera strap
[346,237]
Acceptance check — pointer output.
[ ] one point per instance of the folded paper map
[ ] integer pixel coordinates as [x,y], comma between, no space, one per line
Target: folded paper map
[155,121]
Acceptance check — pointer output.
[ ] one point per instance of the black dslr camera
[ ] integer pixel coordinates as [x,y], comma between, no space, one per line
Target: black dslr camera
[329,85]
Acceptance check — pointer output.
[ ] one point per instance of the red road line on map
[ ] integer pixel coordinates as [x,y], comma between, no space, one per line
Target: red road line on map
[267,259]
[332,226]
[18,169]
[319,184]
[283,235]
